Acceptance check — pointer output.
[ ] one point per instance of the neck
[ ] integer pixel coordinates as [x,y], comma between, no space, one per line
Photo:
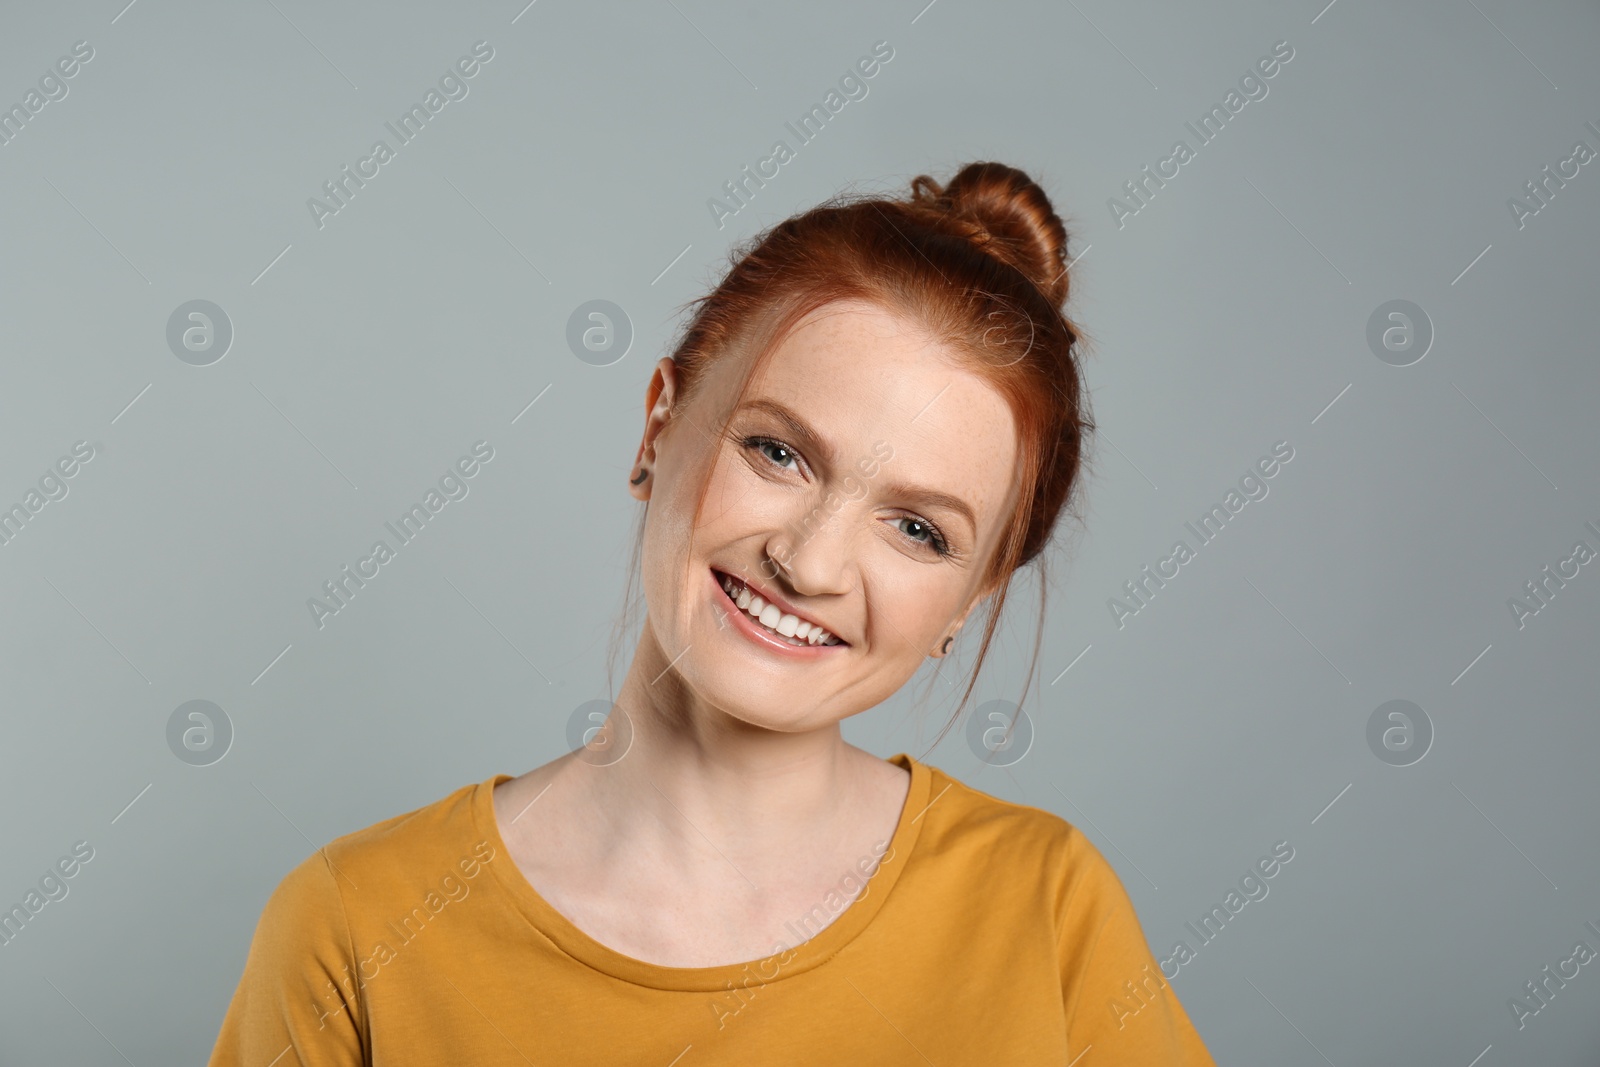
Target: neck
[711,795]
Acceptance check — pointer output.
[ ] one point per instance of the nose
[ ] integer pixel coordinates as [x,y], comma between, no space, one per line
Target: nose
[815,553]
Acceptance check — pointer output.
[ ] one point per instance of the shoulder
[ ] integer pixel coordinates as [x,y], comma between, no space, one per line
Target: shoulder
[358,870]
[299,986]
[1020,837]
[957,810]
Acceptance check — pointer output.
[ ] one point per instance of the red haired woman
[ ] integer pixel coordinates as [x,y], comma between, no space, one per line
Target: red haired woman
[866,429]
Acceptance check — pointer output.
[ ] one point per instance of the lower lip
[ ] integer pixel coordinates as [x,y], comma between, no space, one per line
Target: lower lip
[746,625]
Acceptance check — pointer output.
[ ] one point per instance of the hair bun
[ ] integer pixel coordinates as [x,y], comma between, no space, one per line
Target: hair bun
[1004,211]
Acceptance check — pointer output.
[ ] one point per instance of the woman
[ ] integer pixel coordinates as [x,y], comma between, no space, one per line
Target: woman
[867,428]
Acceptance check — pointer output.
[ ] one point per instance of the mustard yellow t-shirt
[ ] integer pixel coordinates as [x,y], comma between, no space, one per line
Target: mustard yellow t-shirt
[989,933]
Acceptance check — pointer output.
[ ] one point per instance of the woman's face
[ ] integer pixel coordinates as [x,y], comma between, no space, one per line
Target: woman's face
[871,511]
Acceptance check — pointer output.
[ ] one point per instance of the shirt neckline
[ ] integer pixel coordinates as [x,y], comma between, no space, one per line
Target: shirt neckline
[855,918]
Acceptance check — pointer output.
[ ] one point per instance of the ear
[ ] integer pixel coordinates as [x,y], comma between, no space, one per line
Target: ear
[658,401]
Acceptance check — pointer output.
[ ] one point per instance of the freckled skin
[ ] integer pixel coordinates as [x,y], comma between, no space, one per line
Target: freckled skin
[891,598]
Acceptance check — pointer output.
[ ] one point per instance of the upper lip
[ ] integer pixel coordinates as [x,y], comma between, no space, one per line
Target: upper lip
[780,603]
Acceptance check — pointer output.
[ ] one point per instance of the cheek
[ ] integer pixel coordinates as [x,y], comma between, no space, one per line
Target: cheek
[740,501]
[913,611]
[674,538]
[728,490]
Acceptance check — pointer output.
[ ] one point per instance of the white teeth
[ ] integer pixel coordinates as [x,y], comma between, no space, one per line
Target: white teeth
[797,630]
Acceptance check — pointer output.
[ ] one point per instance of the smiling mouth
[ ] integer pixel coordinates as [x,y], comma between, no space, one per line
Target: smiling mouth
[778,625]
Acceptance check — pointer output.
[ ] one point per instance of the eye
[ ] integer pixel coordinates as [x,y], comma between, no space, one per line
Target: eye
[935,540]
[767,445]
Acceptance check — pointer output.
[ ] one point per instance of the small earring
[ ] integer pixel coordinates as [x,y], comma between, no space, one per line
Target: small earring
[644,472]
[944,649]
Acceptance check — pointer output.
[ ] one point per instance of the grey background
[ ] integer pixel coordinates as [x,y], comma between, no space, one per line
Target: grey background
[1228,314]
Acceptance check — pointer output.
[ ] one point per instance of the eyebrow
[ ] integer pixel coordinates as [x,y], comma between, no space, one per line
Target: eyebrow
[796,427]
[933,498]
[818,446]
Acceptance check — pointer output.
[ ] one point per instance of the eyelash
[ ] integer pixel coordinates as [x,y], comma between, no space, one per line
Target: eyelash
[937,541]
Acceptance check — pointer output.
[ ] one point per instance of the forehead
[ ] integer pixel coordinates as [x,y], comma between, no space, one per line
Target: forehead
[859,374]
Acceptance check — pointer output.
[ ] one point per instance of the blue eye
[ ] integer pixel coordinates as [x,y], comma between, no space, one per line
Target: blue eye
[935,538]
[778,448]
[767,447]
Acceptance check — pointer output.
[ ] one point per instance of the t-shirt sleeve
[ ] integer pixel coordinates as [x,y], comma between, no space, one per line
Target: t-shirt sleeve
[1120,1007]
[298,988]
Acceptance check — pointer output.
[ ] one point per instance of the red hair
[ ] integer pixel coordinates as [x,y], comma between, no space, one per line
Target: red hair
[980,265]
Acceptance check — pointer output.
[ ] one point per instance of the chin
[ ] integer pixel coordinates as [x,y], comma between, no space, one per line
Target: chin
[773,725]
[726,687]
